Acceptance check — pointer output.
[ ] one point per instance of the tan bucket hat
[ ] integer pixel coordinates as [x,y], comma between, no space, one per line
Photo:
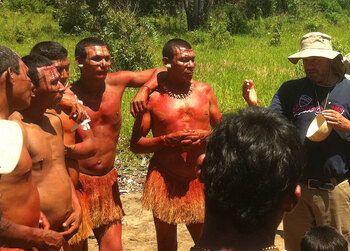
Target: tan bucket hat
[11,143]
[347,65]
[315,44]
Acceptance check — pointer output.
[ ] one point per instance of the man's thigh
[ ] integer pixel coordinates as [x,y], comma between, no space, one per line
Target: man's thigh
[298,221]
[334,209]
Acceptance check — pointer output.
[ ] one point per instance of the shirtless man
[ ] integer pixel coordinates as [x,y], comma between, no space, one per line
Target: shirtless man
[74,151]
[101,93]
[45,144]
[19,198]
[180,113]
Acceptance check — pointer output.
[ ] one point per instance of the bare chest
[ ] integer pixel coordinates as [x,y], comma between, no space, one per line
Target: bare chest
[104,110]
[169,111]
[45,147]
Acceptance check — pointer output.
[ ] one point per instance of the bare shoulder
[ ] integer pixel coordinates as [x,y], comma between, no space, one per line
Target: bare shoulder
[202,87]
[16,116]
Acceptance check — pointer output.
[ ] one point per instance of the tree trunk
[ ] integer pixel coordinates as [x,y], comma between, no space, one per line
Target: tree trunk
[197,12]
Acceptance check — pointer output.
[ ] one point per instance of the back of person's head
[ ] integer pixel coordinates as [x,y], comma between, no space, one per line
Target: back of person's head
[33,62]
[8,58]
[176,42]
[50,49]
[253,161]
[90,41]
[323,238]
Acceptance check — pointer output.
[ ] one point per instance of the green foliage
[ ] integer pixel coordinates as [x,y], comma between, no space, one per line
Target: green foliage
[276,34]
[36,6]
[128,41]
[74,17]
[237,21]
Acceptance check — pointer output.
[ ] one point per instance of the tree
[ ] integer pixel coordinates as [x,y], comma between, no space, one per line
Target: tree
[197,12]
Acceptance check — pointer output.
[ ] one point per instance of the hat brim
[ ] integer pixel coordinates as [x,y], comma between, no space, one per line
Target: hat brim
[313,53]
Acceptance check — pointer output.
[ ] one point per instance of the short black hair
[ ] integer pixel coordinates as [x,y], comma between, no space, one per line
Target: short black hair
[33,62]
[254,159]
[8,58]
[50,49]
[323,238]
[90,41]
[168,50]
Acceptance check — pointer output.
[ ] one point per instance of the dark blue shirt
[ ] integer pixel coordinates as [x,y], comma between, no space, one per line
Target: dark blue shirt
[300,101]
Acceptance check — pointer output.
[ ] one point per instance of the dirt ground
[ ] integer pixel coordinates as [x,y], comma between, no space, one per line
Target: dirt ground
[139,233]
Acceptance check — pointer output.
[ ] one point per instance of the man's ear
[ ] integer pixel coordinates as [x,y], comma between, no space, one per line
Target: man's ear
[291,200]
[199,167]
[79,62]
[8,75]
[166,62]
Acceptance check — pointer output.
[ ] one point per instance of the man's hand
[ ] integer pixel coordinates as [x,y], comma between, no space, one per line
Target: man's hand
[50,240]
[139,102]
[72,224]
[186,137]
[198,136]
[336,120]
[249,93]
[74,109]
[43,222]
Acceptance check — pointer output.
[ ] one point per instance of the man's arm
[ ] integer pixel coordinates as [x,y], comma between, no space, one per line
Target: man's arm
[214,111]
[84,149]
[139,102]
[13,235]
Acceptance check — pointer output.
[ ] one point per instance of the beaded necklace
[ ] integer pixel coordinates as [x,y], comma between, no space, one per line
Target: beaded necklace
[178,95]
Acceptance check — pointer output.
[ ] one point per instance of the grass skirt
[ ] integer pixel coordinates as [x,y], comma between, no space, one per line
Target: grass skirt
[173,199]
[103,197]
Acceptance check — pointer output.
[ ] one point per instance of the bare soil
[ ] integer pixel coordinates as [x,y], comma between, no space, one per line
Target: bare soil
[139,233]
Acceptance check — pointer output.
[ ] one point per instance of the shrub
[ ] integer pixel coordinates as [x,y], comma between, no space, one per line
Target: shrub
[237,21]
[74,17]
[36,6]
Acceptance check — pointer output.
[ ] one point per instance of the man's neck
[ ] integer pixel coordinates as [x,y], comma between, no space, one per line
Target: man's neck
[213,238]
[176,86]
[90,85]
[333,80]
[34,113]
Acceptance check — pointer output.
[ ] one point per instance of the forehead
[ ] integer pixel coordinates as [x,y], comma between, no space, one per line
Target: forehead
[181,51]
[47,71]
[96,50]
[60,62]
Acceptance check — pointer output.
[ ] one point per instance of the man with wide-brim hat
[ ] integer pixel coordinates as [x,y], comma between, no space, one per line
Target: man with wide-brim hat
[325,190]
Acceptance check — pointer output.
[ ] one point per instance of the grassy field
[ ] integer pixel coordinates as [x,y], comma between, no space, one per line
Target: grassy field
[224,67]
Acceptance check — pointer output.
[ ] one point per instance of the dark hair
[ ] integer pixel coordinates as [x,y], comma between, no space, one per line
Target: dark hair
[8,58]
[323,238]
[50,49]
[253,161]
[90,41]
[168,50]
[33,62]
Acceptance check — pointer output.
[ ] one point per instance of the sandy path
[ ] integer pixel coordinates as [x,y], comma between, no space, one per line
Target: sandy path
[138,229]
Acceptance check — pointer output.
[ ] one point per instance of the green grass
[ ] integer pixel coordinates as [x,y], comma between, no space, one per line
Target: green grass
[223,67]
